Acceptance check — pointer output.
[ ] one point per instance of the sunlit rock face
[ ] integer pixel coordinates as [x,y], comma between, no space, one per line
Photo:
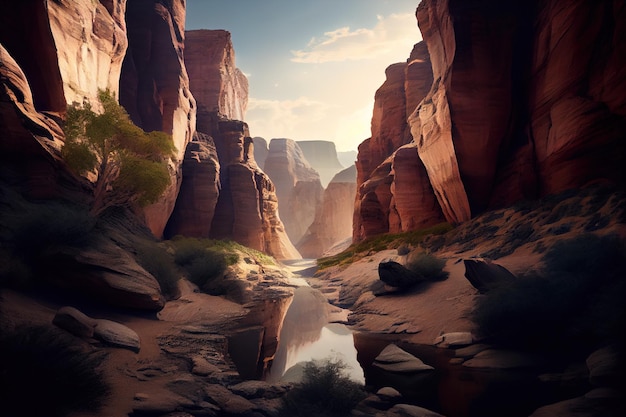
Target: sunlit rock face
[377,195]
[56,53]
[247,209]
[322,155]
[333,217]
[522,112]
[298,186]
[260,150]
[154,87]
[217,84]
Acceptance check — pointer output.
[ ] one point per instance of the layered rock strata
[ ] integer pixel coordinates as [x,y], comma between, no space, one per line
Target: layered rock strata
[526,99]
[333,217]
[388,162]
[217,84]
[298,185]
[244,205]
[154,87]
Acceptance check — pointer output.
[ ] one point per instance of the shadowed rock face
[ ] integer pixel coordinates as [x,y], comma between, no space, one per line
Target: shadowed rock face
[199,191]
[154,87]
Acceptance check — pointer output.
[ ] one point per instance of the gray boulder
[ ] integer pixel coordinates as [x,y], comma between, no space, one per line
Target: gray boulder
[393,359]
[485,275]
[74,321]
[116,334]
[397,275]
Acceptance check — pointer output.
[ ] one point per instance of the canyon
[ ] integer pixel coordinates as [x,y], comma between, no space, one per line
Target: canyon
[501,132]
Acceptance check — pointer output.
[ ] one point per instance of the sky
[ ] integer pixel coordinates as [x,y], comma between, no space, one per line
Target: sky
[313,65]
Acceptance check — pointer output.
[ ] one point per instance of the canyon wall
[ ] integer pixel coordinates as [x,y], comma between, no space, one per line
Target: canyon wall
[298,185]
[224,194]
[385,163]
[526,98]
[331,224]
[154,87]
[322,155]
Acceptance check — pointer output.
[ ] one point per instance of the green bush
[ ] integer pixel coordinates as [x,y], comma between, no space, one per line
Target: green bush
[159,262]
[325,391]
[44,373]
[199,260]
[426,266]
[575,301]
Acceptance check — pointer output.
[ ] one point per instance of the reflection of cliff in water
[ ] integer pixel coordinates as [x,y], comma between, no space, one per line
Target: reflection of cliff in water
[306,335]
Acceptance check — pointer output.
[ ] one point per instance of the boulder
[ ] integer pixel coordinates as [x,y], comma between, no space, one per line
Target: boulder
[397,275]
[228,402]
[74,321]
[117,334]
[454,339]
[395,360]
[484,275]
[606,366]
[406,410]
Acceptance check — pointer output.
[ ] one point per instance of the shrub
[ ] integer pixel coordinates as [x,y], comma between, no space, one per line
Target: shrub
[44,373]
[426,266]
[159,262]
[573,302]
[199,260]
[324,391]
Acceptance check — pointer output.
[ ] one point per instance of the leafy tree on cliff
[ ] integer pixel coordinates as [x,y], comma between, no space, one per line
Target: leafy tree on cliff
[128,164]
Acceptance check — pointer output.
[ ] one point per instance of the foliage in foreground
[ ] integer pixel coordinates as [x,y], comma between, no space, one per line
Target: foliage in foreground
[44,373]
[324,391]
[382,242]
[427,267]
[575,302]
[130,165]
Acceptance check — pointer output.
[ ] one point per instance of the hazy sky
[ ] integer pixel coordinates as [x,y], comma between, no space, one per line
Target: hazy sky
[313,65]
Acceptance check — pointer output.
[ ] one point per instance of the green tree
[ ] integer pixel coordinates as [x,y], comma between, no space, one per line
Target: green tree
[128,164]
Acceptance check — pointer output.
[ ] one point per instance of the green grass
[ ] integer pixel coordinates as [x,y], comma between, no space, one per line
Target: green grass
[379,243]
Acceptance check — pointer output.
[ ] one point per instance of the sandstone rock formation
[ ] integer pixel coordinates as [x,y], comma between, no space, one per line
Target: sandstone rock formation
[333,217]
[246,208]
[260,150]
[387,162]
[154,86]
[298,186]
[217,84]
[513,111]
[322,155]
[199,191]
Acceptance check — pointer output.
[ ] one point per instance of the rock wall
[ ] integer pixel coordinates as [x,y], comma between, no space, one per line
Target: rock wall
[333,217]
[218,85]
[260,150]
[247,208]
[526,98]
[154,86]
[378,163]
[322,155]
[298,185]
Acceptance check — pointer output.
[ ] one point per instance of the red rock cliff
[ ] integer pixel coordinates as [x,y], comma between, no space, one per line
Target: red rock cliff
[154,86]
[528,98]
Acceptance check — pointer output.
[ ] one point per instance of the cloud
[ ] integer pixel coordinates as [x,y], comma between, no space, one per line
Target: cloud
[390,34]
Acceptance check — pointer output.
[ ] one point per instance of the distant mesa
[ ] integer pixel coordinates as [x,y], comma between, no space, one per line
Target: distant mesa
[322,155]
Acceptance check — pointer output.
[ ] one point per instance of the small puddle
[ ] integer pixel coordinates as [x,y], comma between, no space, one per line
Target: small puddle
[306,335]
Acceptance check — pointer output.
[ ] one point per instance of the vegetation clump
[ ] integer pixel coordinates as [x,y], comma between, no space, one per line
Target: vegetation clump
[379,243]
[44,373]
[574,301]
[426,266]
[325,391]
[129,165]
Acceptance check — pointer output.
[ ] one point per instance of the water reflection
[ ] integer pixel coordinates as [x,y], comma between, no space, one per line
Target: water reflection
[306,335]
